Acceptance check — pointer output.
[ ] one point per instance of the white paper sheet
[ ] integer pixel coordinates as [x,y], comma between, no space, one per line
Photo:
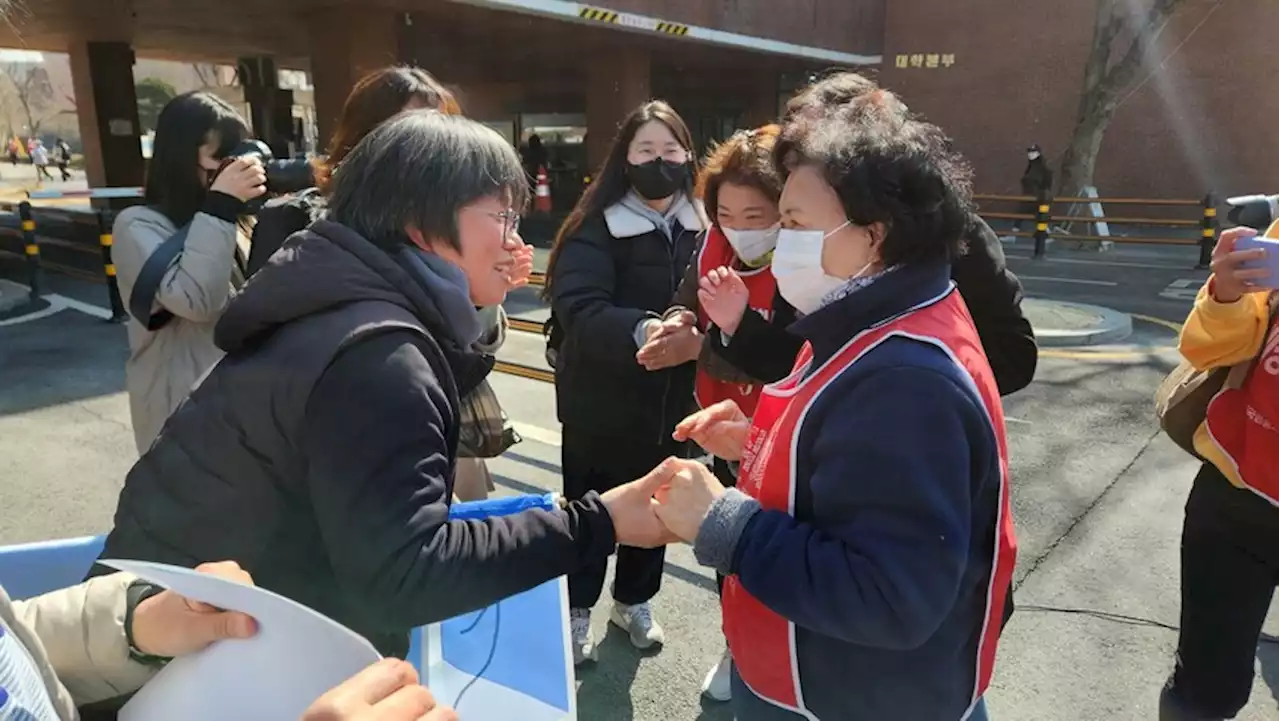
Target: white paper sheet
[296,656]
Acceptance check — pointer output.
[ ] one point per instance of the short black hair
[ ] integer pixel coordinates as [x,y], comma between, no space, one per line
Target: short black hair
[419,169]
[886,166]
[174,185]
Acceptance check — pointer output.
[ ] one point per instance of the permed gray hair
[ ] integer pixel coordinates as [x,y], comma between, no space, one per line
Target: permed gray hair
[418,170]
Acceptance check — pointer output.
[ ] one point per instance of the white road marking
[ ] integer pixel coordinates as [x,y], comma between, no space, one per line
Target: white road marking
[537,433]
[59,303]
[1182,289]
[54,307]
[1078,281]
[1118,263]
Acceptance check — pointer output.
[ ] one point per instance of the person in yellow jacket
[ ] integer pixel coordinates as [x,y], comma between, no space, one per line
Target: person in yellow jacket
[1229,550]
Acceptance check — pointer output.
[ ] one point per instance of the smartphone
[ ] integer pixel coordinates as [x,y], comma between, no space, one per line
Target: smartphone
[1271,263]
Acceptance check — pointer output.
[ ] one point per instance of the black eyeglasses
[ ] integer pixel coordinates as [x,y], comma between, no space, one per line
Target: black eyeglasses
[510,221]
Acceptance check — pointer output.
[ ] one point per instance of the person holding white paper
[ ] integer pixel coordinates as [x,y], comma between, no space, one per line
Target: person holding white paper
[320,452]
[111,634]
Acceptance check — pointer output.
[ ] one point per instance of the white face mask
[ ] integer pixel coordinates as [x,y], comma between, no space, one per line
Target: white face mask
[753,246]
[797,266]
[1032,156]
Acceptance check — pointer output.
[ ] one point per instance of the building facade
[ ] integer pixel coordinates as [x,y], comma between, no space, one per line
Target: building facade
[997,75]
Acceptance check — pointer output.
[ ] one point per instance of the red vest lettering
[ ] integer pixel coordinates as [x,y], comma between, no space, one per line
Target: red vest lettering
[1242,423]
[763,643]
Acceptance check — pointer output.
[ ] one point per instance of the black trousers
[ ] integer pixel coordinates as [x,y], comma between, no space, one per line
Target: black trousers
[595,462]
[1229,567]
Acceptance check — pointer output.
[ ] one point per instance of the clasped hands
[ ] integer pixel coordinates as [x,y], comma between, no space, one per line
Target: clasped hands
[676,339]
[670,502]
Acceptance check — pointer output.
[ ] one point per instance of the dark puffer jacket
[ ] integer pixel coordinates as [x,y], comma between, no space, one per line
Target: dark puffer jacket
[617,270]
[319,453]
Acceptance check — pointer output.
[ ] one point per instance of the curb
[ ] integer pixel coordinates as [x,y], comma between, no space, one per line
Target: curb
[13,295]
[1112,326]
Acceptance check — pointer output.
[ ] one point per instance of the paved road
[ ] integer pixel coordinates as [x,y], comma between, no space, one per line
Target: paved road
[1097,497]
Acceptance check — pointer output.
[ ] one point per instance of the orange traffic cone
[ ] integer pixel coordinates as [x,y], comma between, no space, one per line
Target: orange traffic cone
[542,192]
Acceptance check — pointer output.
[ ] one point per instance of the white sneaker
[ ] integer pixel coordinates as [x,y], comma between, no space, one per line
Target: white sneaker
[716,685]
[584,648]
[638,622]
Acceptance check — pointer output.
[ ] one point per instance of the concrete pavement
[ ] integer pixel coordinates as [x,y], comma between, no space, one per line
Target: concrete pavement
[1097,499]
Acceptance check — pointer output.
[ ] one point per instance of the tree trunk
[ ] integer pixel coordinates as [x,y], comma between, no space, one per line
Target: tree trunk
[1104,81]
[1081,158]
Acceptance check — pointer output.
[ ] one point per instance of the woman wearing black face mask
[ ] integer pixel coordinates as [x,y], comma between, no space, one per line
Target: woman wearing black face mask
[614,269]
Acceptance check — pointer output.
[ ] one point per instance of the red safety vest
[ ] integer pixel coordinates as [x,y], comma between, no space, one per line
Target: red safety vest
[761,288]
[762,642]
[1242,423]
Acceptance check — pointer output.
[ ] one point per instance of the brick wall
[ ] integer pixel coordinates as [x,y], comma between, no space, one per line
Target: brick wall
[1207,120]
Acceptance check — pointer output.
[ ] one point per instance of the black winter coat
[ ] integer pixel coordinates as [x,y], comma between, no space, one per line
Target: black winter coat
[609,276]
[766,350]
[319,453]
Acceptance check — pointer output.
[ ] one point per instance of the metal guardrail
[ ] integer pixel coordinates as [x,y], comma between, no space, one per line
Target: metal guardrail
[66,234]
[1205,222]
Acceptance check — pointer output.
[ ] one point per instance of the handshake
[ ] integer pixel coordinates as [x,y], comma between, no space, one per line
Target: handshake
[670,502]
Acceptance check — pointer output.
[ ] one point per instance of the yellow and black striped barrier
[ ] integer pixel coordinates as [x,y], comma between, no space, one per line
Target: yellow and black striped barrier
[598,15]
[105,241]
[1042,227]
[612,17]
[31,248]
[524,371]
[525,326]
[1208,231]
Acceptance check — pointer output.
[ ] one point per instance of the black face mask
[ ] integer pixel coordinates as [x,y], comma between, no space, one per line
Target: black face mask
[658,178]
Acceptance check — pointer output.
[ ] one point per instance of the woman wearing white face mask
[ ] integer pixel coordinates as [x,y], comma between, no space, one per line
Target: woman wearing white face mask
[729,287]
[869,543]
[731,292]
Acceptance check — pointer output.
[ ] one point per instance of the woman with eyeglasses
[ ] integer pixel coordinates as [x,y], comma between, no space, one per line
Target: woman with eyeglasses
[377,97]
[613,271]
[319,453]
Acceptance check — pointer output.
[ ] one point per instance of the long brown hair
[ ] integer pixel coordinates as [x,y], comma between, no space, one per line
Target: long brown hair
[609,185]
[379,96]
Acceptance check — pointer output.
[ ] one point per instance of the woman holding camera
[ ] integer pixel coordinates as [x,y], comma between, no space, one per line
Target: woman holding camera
[192,182]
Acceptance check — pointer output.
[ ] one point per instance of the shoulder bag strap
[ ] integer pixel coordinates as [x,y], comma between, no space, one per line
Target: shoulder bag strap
[142,298]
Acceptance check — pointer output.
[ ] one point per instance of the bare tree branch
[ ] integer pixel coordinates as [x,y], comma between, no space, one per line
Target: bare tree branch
[1126,69]
[1105,79]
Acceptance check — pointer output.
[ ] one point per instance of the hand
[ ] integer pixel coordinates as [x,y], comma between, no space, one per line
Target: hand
[243,178]
[170,625]
[523,268]
[386,691]
[723,296]
[721,429]
[667,350]
[631,507]
[674,341]
[1230,279]
[687,495]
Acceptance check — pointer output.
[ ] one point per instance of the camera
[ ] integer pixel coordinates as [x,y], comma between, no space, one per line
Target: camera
[283,176]
[1253,211]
